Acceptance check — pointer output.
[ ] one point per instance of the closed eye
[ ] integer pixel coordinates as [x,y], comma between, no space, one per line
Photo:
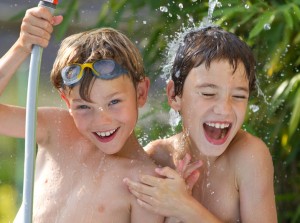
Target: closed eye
[208,94]
[240,96]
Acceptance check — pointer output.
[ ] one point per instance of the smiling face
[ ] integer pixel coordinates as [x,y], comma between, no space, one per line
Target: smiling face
[109,120]
[213,105]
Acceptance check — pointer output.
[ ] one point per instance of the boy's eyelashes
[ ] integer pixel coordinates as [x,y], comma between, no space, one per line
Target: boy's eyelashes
[84,106]
[115,101]
[214,94]
[240,96]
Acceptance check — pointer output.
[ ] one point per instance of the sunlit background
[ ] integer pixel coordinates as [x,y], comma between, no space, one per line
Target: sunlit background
[270,27]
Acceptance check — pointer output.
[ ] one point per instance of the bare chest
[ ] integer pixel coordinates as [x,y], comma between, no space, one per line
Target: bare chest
[216,190]
[75,192]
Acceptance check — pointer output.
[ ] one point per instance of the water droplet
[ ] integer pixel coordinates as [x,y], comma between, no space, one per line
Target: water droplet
[247,6]
[254,108]
[174,117]
[144,22]
[267,26]
[163,9]
[180,5]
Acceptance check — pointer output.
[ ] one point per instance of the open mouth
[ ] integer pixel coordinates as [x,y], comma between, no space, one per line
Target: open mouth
[106,136]
[216,132]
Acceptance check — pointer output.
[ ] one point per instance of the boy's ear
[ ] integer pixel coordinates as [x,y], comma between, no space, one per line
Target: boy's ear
[174,101]
[64,97]
[142,91]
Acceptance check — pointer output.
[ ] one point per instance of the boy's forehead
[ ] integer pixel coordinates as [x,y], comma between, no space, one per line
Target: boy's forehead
[218,70]
[105,88]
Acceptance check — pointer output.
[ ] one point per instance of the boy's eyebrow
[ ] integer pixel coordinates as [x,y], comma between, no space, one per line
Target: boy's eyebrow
[209,85]
[112,94]
[203,85]
[77,100]
[243,89]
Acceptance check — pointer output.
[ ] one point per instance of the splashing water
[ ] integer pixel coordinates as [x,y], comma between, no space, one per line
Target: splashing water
[254,108]
[163,9]
[175,42]
[212,4]
[174,118]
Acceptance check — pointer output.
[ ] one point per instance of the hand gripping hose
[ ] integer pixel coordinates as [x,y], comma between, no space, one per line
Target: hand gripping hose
[30,126]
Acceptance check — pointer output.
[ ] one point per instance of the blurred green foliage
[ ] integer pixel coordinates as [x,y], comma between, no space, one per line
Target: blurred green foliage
[269,27]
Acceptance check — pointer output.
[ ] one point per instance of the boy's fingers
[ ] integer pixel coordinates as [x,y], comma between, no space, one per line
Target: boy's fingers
[192,179]
[138,187]
[192,167]
[167,172]
[179,167]
[186,160]
[35,31]
[40,12]
[56,20]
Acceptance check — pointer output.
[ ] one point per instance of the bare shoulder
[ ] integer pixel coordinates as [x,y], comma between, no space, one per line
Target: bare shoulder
[53,123]
[250,155]
[245,143]
[162,151]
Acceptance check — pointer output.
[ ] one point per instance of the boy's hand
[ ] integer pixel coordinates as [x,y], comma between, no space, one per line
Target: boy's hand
[188,171]
[36,28]
[165,196]
[160,195]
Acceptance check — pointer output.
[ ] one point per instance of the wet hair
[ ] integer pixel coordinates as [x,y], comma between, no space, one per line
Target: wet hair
[207,45]
[96,44]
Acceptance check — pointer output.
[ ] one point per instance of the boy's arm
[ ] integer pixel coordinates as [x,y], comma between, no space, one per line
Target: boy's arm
[36,28]
[255,182]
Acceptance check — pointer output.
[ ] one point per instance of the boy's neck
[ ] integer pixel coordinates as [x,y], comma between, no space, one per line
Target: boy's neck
[195,152]
[132,149]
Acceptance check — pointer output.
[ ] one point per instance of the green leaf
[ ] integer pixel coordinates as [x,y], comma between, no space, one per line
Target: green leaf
[72,10]
[296,11]
[288,18]
[294,121]
[266,18]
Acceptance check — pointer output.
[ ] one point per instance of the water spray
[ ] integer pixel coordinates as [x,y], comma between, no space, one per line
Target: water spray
[30,126]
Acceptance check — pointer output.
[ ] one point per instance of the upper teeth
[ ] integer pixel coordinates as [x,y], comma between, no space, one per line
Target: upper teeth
[218,125]
[108,133]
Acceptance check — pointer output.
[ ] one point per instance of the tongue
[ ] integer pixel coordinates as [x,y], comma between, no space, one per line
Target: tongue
[213,132]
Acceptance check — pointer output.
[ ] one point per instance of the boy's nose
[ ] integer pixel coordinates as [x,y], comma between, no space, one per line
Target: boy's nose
[103,115]
[223,107]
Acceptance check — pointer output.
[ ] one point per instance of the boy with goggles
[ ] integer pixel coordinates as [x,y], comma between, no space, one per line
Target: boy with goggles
[84,152]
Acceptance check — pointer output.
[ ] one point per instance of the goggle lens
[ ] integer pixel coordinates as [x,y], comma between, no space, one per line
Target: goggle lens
[104,69]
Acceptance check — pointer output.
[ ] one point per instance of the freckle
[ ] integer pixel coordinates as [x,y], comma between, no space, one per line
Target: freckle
[101,208]
[46,181]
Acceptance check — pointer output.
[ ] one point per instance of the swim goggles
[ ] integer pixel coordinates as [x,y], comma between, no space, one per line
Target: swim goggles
[105,69]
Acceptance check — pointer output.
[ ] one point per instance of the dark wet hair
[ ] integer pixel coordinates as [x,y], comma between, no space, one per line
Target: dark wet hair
[96,44]
[207,45]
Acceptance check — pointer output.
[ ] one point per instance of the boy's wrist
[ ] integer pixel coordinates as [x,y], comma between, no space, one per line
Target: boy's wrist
[191,211]
[21,49]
